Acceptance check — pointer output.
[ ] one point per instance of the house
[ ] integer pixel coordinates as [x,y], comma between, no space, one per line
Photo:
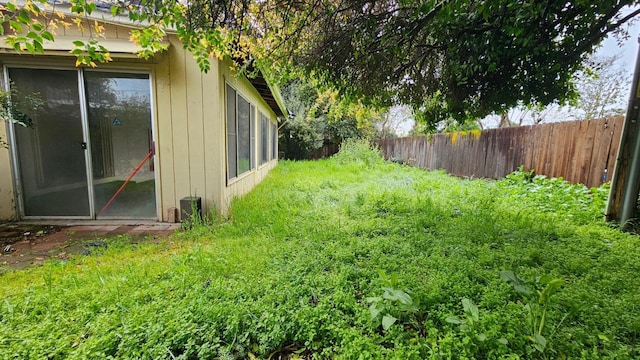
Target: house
[131,138]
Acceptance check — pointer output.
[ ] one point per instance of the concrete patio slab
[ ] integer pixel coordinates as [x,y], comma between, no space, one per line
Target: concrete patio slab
[25,244]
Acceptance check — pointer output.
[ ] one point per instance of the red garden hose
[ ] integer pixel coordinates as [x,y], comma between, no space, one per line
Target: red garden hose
[133,173]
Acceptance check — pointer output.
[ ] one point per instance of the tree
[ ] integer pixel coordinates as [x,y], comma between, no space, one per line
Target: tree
[318,117]
[475,57]
[394,122]
[602,89]
[524,115]
[482,56]
[304,130]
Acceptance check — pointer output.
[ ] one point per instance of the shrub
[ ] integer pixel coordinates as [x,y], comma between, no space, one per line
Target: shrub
[359,151]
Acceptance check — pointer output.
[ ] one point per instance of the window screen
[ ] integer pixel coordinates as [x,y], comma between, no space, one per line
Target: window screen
[232,145]
[241,134]
[264,139]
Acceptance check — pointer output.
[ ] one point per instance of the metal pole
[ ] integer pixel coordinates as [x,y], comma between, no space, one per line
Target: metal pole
[630,140]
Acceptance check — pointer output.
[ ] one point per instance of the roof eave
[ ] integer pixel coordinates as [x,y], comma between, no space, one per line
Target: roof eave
[270,93]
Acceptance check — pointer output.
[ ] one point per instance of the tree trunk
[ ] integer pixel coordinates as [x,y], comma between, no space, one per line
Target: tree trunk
[504,120]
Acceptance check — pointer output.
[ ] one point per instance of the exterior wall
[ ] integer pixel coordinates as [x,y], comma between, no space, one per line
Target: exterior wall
[188,109]
[247,181]
[190,132]
[7,195]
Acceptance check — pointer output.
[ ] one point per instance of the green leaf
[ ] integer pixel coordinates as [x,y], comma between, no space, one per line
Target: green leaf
[23,16]
[408,307]
[518,284]
[509,276]
[387,321]
[397,295]
[552,287]
[78,43]
[540,342]
[33,35]
[375,310]
[523,290]
[115,10]
[470,309]
[16,26]
[16,46]
[47,35]
[37,44]
[503,341]
[453,320]
[394,279]
[91,7]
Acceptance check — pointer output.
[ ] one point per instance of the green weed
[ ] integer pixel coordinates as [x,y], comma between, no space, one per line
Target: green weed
[358,151]
[320,258]
[393,301]
[536,306]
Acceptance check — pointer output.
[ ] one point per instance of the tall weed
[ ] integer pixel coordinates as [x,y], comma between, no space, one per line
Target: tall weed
[554,196]
[360,152]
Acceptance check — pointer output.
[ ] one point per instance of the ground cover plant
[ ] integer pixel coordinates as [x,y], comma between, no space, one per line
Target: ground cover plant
[351,258]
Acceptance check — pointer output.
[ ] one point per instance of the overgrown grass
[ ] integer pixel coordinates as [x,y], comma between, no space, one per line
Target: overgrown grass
[350,259]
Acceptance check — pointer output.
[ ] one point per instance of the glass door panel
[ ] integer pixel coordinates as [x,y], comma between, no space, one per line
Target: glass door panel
[51,148]
[119,117]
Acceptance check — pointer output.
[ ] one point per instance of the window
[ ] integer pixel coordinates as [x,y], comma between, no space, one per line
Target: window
[274,141]
[240,134]
[264,138]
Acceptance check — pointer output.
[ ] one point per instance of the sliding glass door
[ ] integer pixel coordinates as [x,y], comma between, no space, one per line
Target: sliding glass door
[119,113]
[87,149]
[51,145]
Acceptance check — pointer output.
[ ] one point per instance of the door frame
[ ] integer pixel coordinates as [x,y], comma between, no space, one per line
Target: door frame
[11,140]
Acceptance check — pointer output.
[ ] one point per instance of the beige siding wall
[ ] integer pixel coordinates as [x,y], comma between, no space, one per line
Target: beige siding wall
[191,118]
[7,196]
[190,133]
[247,181]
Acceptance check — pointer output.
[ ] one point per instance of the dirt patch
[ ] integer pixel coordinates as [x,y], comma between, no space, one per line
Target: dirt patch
[12,233]
[28,244]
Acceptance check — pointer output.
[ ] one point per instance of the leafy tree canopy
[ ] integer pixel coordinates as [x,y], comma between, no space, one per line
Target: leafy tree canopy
[318,117]
[453,59]
[460,58]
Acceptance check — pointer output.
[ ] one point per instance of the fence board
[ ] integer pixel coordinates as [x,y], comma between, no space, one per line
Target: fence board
[578,151]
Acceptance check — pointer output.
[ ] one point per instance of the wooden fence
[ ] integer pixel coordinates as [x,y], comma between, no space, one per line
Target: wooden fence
[327,150]
[579,151]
